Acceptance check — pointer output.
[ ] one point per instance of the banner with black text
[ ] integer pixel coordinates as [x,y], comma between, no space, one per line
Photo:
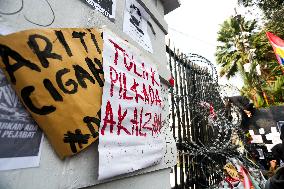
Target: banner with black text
[58,75]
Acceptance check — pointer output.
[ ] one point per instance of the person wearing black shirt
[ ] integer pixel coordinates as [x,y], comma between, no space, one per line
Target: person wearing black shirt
[246,108]
[277,180]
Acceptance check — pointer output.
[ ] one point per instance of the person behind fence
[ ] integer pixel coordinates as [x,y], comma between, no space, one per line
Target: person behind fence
[277,180]
[246,108]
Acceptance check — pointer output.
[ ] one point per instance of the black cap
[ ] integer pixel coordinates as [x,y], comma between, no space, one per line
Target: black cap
[278,151]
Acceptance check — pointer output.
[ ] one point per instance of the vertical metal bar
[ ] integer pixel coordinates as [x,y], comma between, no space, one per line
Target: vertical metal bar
[182,103]
[203,98]
[187,91]
[193,91]
[178,104]
[185,114]
[193,132]
[189,117]
[196,91]
[173,117]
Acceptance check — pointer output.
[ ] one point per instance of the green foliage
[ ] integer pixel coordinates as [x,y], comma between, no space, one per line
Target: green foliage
[231,53]
[273,11]
[260,101]
[276,89]
[270,8]
[236,49]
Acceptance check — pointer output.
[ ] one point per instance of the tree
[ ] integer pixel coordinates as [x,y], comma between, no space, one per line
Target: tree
[270,8]
[234,36]
[272,72]
[273,11]
[243,43]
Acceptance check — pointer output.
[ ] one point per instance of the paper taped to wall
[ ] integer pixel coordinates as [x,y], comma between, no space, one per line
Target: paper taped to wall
[130,130]
[106,7]
[135,24]
[20,137]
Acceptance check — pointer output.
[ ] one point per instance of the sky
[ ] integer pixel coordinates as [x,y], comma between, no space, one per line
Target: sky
[194,25]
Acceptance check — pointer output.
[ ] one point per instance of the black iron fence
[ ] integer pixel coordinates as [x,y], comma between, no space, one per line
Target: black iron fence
[197,122]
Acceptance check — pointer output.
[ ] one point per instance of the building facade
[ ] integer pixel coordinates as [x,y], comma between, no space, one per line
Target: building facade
[81,170]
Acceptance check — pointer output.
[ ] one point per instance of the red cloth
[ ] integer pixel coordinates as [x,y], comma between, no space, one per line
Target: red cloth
[278,46]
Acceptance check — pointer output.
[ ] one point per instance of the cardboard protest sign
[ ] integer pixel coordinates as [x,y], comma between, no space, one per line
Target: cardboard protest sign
[57,73]
[130,130]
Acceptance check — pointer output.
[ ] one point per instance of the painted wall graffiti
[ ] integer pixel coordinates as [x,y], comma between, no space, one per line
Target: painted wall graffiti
[17,7]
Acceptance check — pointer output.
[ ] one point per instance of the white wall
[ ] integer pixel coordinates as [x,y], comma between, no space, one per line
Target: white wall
[75,13]
[81,170]
[154,180]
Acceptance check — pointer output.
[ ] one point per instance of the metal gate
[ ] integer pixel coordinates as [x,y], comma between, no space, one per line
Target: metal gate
[202,137]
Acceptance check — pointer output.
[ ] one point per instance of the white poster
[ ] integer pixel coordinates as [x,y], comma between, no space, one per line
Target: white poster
[130,131]
[106,7]
[135,24]
[256,139]
[20,137]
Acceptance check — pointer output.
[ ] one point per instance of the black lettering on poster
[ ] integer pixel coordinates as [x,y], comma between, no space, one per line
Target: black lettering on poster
[6,53]
[136,18]
[106,7]
[76,138]
[19,134]
[44,54]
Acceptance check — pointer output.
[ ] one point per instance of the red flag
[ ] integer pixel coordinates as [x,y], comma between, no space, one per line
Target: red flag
[278,46]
